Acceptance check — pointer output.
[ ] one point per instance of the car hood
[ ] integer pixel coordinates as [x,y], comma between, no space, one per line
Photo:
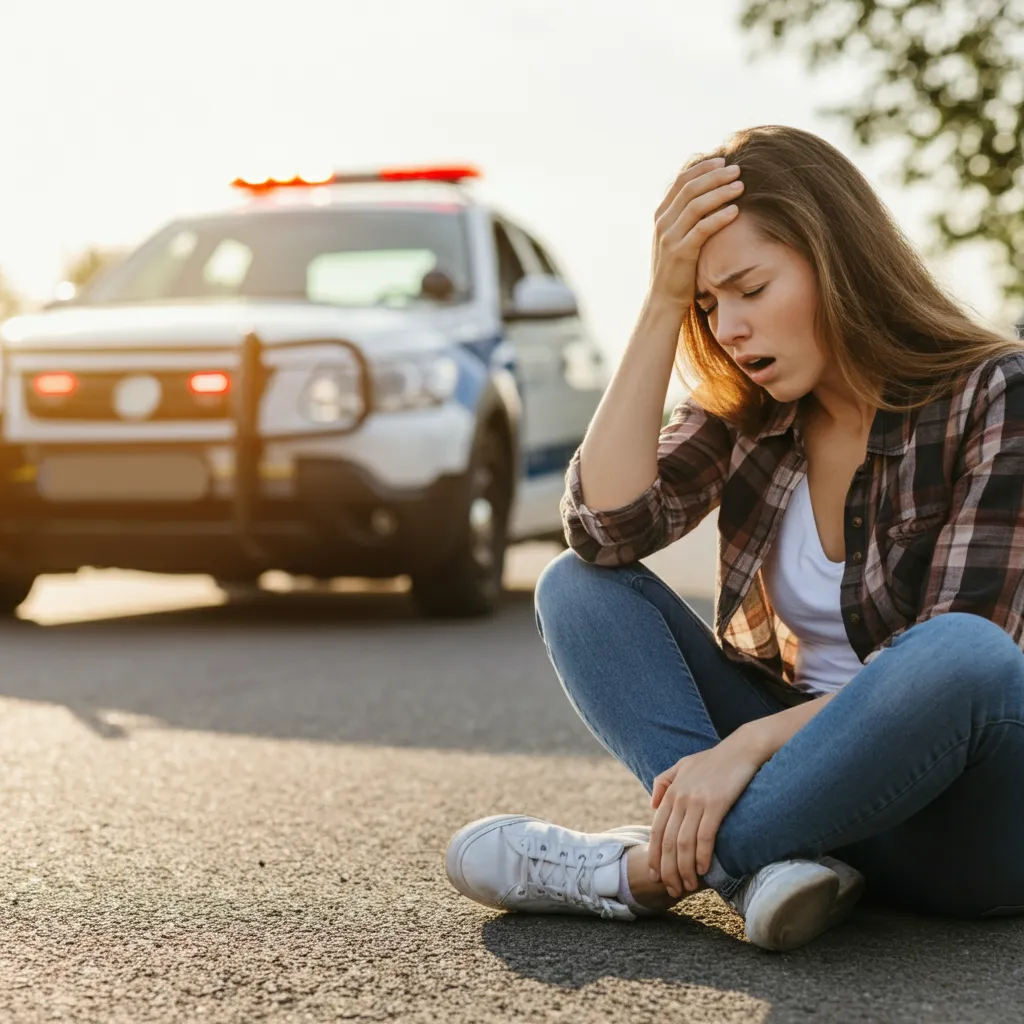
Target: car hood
[219,325]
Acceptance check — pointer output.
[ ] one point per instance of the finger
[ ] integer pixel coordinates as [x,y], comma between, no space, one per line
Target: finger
[661,784]
[707,226]
[657,835]
[686,847]
[684,177]
[669,847]
[699,210]
[695,190]
[659,790]
[706,835]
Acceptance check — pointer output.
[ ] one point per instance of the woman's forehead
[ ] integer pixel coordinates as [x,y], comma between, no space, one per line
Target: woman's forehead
[736,246]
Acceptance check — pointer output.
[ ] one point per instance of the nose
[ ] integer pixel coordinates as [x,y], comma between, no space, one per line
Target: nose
[731,326]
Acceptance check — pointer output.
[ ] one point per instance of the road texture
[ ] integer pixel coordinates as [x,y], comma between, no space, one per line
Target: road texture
[239,812]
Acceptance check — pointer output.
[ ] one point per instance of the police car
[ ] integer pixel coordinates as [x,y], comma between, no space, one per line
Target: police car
[366,375]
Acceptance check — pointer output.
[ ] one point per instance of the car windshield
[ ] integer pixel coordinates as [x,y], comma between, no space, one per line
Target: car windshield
[344,257]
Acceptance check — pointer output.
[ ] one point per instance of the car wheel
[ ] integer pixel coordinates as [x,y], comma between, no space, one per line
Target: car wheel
[14,588]
[239,591]
[470,581]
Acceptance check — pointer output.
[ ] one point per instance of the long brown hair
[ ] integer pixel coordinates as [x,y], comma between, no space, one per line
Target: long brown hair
[882,318]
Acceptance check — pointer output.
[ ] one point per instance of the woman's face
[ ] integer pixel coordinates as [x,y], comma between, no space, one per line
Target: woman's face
[761,299]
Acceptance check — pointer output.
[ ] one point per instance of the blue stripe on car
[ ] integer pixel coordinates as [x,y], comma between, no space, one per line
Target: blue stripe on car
[476,360]
[549,459]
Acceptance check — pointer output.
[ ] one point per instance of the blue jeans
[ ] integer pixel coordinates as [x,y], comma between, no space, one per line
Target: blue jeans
[913,773]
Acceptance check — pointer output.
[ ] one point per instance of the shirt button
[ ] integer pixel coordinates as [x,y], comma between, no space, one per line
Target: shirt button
[857,522]
[854,619]
[858,557]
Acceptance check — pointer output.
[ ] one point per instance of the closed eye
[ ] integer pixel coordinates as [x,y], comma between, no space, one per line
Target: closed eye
[747,295]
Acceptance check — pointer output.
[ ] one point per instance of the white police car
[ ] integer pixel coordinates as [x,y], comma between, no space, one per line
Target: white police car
[355,375]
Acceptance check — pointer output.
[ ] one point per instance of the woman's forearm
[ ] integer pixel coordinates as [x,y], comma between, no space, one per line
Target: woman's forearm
[619,455]
[764,736]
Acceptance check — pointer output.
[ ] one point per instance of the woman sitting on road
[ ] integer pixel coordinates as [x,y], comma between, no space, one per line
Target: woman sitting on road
[862,694]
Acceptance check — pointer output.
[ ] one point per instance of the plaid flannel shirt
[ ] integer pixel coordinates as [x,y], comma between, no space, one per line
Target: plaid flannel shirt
[934,518]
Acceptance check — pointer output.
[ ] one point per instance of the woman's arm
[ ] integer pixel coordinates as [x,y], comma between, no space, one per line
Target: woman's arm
[762,737]
[619,455]
[618,458]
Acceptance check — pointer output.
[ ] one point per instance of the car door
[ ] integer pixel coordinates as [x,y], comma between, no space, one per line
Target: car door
[581,377]
[554,357]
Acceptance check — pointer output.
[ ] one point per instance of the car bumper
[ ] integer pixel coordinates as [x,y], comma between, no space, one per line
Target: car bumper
[340,521]
[334,517]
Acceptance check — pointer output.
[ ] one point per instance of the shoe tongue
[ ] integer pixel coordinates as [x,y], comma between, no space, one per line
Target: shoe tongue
[606,879]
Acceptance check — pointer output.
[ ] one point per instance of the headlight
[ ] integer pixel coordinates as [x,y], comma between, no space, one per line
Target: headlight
[413,383]
[333,395]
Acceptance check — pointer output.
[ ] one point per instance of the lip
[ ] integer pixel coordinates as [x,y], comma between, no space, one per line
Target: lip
[759,376]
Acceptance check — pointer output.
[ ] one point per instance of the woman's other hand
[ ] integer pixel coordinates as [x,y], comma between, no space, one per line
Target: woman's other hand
[691,212]
[692,799]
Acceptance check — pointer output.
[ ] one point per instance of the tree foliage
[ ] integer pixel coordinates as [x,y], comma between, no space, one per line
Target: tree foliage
[83,267]
[946,76]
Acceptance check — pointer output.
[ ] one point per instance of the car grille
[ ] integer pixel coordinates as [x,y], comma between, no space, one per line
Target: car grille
[93,399]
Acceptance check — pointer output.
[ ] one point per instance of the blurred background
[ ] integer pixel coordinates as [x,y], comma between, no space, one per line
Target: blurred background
[226,806]
[121,117]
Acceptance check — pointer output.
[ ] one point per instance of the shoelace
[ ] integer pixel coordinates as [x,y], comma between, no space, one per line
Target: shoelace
[576,886]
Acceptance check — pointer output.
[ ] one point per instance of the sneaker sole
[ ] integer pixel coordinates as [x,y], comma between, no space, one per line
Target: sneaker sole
[851,888]
[458,843]
[801,908]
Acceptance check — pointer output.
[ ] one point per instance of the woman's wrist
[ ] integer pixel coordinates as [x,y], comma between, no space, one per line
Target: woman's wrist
[758,739]
[664,308]
[762,737]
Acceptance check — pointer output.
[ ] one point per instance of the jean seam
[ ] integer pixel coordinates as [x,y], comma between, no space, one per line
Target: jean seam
[699,622]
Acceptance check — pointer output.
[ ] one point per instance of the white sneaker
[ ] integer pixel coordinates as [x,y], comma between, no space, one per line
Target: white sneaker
[515,862]
[851,887]
[790,902]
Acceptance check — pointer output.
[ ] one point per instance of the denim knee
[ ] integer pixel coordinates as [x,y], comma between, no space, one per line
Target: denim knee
[567,582]
[968,651]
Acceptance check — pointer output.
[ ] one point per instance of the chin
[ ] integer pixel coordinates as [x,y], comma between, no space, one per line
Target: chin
[785,391]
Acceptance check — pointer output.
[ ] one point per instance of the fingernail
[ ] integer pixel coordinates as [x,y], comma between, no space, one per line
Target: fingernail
[654,875]
[673,893]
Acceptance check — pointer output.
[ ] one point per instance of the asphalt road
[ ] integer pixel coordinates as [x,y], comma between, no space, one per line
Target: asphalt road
[238,813]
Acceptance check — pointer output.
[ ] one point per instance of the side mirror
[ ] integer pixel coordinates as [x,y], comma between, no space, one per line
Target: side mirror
[540,297]
[64,294]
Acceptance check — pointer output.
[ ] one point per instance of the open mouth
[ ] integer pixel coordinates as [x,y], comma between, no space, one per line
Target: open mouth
[759,364]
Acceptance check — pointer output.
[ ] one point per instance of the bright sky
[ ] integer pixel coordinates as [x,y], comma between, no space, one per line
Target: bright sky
[120,115]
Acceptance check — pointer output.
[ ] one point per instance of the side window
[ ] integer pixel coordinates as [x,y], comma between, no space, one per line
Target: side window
[545,261]
[510,269]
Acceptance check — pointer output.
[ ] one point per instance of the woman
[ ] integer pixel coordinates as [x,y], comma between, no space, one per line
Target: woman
[858,711]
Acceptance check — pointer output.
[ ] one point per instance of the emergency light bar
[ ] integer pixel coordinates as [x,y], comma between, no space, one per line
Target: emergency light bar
[453,175]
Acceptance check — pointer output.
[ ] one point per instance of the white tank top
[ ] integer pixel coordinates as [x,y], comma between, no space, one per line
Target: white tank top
[803,585]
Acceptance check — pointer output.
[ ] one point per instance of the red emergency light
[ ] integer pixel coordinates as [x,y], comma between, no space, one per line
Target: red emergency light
[453,175]
[55,385]
[209,383]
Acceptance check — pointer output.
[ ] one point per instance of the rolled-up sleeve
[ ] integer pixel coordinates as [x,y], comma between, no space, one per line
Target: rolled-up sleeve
[694,450]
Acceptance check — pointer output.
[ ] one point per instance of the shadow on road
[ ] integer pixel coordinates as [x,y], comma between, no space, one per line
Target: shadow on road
[879,965]
[342,667]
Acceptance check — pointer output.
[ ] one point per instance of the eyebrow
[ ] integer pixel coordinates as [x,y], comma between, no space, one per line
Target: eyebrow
[725,282]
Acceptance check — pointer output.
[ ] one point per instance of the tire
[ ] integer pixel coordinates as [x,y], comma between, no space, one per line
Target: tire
[14,588]
[239,591]
[469,583]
